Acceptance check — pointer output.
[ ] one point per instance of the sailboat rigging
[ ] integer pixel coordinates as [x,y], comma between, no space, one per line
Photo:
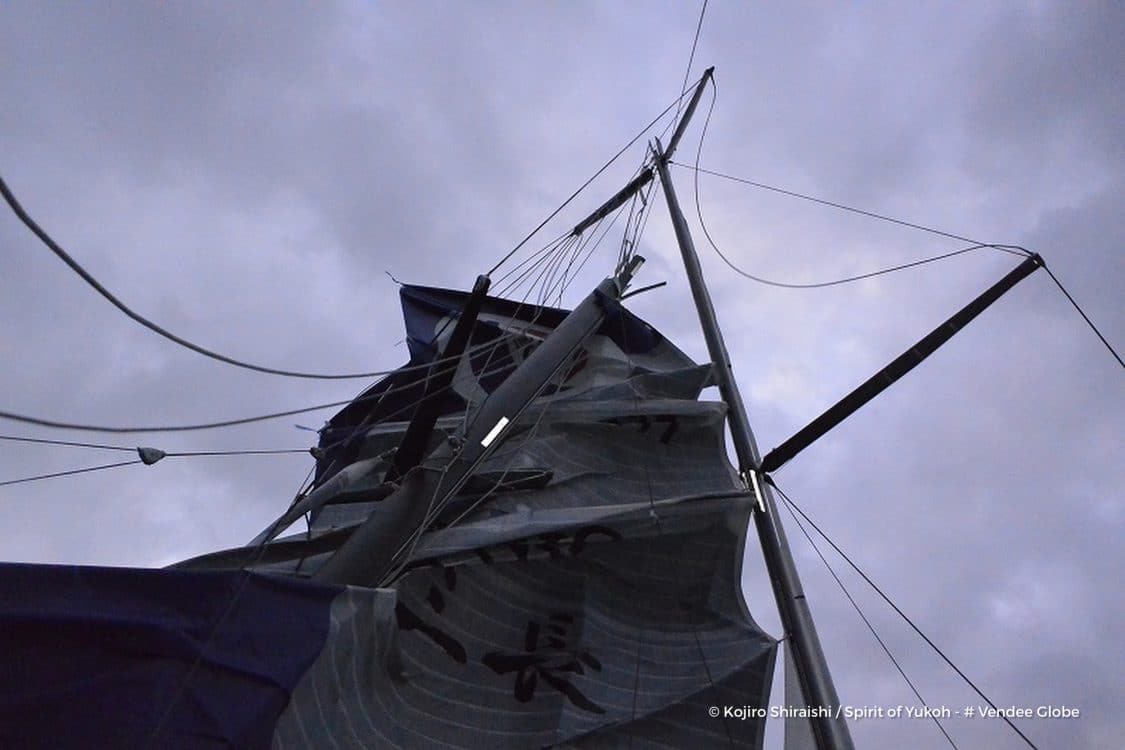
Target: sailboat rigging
[528,536]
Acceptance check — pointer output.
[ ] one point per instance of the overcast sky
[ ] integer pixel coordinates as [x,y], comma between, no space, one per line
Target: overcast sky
[244,174]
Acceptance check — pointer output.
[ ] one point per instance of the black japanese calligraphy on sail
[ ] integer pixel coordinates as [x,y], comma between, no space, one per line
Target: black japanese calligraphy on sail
[582,591]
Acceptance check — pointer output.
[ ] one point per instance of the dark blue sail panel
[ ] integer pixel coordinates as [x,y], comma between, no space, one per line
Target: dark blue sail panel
[426,309]
[98,657]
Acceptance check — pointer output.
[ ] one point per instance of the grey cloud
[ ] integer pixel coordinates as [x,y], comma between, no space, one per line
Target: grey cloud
[244,174]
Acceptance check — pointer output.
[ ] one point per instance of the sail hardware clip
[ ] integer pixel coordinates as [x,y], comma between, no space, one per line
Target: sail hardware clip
[149,456]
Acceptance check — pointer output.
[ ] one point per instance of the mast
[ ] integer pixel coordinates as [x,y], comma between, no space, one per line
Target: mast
[831,731]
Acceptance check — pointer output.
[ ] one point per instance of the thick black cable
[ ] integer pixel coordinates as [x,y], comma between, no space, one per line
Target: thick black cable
[1085,317]
[867,622]
[900,613]
[586,184]
[38,421]
[69,473]
[142,320]
[39,232]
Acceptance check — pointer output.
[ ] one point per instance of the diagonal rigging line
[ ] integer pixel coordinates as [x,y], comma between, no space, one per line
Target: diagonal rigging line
[833,204]
[133,449]
[100,467]
[1085,317]
[867,622]
[268,452]
[70,472]
[586,184]
[900,613]
[508,334]
[691,56]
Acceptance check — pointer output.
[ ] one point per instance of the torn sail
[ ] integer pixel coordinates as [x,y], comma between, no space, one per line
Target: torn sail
[581,590]
[584,592]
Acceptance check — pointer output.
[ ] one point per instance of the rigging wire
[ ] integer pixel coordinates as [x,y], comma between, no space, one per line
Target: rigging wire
[548,248]
[590,247]
[560,248]
[485,369]
[691,57]
[586,184]
[818,285]
[1085,317]
[843,207]
[149,456]
[867,622]
[70,472]
[38,421]
[900,613]
[434,510]
[259,550]
[976,244]
[133,449]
